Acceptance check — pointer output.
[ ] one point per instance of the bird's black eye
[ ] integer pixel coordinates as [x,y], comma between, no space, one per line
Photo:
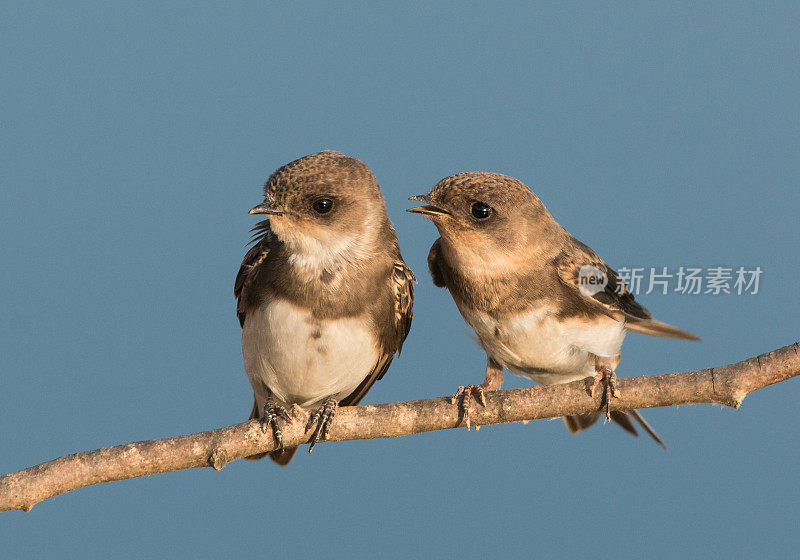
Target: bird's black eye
[481,210]
[322,205]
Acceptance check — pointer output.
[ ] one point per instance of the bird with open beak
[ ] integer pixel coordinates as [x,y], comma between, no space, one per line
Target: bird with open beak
[324,297]
[542,304]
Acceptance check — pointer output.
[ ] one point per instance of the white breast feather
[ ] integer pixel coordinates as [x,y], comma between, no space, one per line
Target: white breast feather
[312,250]
[311,253]
[549,350]
[305,360]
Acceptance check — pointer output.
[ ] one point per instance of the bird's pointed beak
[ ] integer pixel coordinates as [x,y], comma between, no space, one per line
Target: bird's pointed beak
[429,209]
[266,208]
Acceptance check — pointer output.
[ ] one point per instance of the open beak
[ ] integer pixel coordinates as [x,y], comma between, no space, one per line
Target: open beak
[266,208]
[429,209]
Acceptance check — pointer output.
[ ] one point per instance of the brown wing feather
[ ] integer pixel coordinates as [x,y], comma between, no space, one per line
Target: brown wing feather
[252,260]
[403,286]
[615,297]
[435,263]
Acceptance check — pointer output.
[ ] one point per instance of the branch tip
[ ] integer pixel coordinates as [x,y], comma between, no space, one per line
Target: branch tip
[218,459]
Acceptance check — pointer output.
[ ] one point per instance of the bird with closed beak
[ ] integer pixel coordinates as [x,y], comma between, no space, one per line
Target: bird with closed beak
[543,305]
[324,297]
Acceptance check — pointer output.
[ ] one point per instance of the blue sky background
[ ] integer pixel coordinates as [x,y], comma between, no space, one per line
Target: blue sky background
[134,138]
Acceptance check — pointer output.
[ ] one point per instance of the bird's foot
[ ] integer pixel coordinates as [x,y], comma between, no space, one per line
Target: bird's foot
[322,417]
[269,417]
[607,376]
[462,397]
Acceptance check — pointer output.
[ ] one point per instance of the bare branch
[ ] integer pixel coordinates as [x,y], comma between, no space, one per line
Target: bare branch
[726,385]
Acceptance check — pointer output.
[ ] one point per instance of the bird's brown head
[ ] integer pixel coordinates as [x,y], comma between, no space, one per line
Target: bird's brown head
[486,214]
[323,203]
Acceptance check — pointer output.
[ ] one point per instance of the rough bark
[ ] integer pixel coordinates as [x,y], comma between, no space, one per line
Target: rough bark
[726,385]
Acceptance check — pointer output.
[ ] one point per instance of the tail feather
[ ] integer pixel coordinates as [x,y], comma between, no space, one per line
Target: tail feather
[646,427]
[620,417]
[283,456]
[580,422]
[657,328]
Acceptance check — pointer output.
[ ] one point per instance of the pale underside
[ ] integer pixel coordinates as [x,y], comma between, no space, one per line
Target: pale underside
[305,360]
[539,345]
